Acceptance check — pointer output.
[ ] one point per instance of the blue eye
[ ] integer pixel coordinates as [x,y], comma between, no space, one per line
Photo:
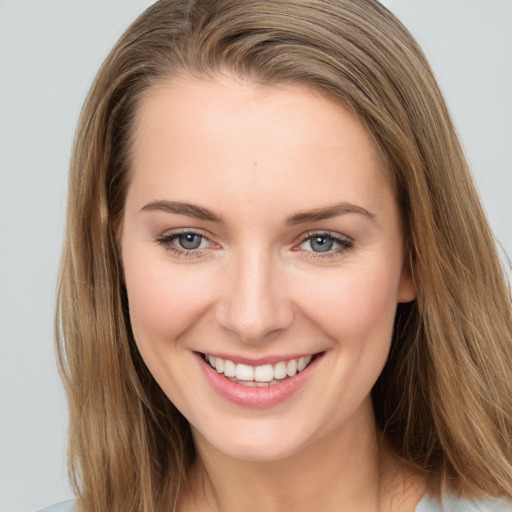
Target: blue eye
[321,243]
[325,244]
[189,241]
[186,243]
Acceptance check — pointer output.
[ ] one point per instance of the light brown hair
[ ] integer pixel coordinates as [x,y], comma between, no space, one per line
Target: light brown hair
[444,399]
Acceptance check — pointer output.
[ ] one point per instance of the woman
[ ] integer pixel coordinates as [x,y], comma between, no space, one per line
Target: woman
[278,288]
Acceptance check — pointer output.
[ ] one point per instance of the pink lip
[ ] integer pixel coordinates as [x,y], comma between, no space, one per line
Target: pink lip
[254,397]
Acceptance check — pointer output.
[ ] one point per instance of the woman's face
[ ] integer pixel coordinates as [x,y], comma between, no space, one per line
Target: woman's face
[261,234]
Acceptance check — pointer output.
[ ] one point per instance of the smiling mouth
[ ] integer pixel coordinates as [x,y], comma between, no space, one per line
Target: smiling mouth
[259,376]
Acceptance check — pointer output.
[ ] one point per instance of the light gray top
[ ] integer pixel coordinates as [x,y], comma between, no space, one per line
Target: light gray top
[450,504]
[454,504]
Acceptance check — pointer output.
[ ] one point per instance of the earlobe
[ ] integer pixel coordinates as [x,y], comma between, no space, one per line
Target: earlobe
[406,287]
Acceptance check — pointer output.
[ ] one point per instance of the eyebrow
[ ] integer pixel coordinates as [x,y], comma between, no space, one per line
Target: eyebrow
[327,212]
[198,212]
[180,208]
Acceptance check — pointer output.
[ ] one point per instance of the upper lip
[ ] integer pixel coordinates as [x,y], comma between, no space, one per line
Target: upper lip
[270,359]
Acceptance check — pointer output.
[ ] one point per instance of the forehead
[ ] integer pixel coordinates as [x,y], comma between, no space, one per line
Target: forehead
[208,104]
[223,135]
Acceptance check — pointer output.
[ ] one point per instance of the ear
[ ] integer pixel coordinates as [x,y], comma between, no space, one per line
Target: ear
[406,289]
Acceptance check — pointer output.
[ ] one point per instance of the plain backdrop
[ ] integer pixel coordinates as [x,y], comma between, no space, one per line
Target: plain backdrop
[49,53]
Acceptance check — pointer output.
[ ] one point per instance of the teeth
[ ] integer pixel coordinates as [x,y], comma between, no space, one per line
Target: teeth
[264,373]
[259,376]
[253,384]
[291,367]
[244,372]
[229,368]
[219,364]
[303,362]
[280,370]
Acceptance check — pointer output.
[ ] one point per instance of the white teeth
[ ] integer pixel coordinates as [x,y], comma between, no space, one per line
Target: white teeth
[280,370]
[219,364]
[244,372]
[229,368]
[291,367]
[303,362]
[263,375]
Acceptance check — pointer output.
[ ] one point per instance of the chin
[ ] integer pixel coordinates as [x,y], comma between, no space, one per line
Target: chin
[263,443]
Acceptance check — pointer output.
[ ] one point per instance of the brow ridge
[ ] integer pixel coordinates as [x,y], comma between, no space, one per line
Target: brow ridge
[199,212]
[183,208]
[327,212]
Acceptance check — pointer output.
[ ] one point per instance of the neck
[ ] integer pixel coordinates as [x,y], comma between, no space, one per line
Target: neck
[347,470]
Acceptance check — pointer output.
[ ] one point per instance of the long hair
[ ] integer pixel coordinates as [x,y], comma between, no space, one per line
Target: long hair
[444,399]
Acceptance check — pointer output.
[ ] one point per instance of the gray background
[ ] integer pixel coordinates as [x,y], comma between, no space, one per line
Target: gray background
[49,53]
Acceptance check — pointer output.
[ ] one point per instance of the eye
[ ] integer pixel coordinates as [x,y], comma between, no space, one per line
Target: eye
[325,244]
[189,241]
[320,243]
[184,243]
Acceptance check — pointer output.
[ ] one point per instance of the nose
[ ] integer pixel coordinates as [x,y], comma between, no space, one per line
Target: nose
[254,303]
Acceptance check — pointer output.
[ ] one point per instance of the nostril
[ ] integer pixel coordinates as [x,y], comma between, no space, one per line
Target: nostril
[254,326]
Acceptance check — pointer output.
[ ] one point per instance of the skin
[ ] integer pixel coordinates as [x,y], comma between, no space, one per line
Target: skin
[256,156]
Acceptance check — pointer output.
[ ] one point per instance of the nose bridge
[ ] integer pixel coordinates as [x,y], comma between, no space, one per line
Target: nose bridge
[254,303]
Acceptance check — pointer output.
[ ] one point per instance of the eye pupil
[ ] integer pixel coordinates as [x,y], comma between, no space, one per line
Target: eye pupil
[322,243]
[189,241]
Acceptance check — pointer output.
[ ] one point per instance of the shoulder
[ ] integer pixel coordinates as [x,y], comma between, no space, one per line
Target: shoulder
[454,504]
[63,506]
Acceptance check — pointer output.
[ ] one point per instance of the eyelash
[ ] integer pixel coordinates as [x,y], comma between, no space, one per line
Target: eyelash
[167,242]
[344,243]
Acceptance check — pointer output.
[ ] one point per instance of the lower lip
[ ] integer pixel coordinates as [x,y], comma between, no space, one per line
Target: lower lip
[255,397]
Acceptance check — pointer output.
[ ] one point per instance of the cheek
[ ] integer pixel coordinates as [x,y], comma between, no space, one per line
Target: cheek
[164,300]
[354,305]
